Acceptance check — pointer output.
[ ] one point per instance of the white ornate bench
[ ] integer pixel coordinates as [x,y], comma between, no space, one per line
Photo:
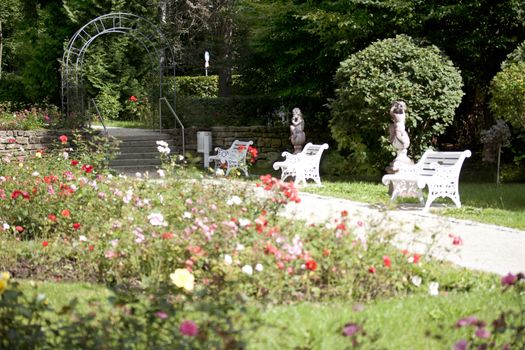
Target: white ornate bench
[302,166]
[437,170]
[233,157]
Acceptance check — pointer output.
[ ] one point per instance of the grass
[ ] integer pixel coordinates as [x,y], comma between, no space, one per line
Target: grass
[59,294]
[502,205]
[400,323]
[128,124]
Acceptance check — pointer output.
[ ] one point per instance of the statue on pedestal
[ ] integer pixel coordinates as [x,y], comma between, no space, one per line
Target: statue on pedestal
[297,136]
[398,136]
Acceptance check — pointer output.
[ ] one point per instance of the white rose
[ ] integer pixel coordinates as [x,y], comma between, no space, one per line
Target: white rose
[433,288]
[416,280]
[228,260]
[247,269]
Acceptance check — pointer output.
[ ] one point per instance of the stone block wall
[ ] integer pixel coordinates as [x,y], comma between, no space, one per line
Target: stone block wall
[17,142]
[270,141]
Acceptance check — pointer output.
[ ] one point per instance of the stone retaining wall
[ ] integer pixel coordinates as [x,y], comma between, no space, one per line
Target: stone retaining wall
[270,141]
[16,142]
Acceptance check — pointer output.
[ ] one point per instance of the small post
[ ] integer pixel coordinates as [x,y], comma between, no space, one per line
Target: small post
[499,159]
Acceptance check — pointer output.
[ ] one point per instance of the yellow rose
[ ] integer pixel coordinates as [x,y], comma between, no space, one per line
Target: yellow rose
[3,285]
[5,276]
[182,278]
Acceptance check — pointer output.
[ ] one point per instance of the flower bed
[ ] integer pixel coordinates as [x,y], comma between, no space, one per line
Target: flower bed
[185,253]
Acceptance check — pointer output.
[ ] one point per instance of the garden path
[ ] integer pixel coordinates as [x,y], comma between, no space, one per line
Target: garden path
[484,247]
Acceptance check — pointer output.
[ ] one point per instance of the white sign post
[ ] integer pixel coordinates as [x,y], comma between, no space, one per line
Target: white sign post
[206,62]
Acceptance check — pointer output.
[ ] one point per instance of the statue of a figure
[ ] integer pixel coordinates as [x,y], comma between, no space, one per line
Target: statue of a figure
[297,136]
[398,137]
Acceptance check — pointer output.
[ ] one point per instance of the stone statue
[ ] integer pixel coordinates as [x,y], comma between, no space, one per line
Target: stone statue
[297,136]
[398,137]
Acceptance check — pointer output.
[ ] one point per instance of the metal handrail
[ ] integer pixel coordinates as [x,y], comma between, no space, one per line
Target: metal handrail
[100,117]
[176,118]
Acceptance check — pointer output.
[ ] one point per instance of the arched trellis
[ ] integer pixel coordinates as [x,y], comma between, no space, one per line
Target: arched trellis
[158,48]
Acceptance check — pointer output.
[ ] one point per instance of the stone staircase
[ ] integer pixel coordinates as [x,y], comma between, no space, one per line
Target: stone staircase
[138,150]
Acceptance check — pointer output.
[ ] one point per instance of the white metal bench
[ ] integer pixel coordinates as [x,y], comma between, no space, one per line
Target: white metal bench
[233,157]
[437,170]
[302,166]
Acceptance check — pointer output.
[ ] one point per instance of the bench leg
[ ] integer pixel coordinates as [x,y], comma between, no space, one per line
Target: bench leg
[455,199]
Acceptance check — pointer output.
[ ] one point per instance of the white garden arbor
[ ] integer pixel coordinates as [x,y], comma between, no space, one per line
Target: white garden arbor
[145,33]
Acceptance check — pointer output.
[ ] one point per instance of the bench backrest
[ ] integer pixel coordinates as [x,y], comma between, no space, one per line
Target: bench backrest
[238,149]
[446,159]
[312,153]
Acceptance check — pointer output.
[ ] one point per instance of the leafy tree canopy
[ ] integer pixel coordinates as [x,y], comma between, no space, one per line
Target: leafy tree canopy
[386,71]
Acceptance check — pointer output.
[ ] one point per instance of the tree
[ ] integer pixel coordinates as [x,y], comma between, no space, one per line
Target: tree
[386,71]
[508,89]
[205,25]
[475,34]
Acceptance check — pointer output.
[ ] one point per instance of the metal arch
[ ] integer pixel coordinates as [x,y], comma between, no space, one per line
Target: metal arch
[142,30]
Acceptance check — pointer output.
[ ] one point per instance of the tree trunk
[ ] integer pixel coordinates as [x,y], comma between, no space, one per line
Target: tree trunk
[225,71]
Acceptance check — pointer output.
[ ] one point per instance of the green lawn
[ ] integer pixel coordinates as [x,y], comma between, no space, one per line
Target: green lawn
[400,323]
[124,124]
[502,205]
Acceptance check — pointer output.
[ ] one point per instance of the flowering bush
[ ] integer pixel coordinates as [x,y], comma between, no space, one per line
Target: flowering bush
[29,119]
[140,108]
[190,251]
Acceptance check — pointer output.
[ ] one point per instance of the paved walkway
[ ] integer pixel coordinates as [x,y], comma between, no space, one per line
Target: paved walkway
[484,247]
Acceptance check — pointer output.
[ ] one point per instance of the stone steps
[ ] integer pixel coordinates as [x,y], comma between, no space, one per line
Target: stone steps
[138,151]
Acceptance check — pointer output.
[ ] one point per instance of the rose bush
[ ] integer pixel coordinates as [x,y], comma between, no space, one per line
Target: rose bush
[189,251]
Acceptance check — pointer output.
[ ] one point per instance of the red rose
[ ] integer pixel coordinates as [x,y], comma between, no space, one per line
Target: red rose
[311,265]
[167,235]
[17,193]
[372,269]
[63,139]
[52,217]
[76,226]
[19,228]
[87,168]
[416,258]
[74,162]
[45,243]
[91,247]
[66,213]
[133,99]
[386,261]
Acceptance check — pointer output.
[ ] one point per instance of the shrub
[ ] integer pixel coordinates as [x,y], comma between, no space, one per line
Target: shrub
[508,94]
[29,119]
[199,86]
[108,104]
[248,110]
[386,71]
[12,89]
[232,111]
